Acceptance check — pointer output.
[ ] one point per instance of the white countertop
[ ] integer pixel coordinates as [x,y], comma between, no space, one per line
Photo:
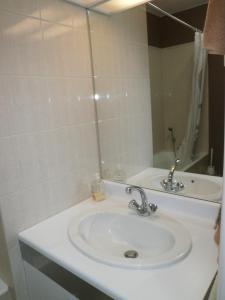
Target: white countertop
[188,279]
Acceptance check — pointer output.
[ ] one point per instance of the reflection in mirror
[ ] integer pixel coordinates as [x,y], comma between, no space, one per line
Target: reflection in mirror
[158,100]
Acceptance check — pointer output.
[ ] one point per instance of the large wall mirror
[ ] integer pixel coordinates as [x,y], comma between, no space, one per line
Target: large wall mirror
[159,98]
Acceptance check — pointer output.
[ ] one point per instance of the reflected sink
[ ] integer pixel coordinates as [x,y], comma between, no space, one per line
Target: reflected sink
[193,186]
[119,237]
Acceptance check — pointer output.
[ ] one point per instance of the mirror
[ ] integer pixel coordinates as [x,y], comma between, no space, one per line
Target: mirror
[159,98]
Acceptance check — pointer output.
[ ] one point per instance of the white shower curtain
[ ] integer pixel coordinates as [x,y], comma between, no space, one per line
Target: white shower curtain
[187,149]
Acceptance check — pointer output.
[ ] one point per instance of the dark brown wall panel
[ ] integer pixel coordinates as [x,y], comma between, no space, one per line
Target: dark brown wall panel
[216,109]
[153,30]
[176,33]
[165,32]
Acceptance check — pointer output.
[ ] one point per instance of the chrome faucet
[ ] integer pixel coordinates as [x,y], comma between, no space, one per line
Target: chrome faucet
[145,209]
[170,184]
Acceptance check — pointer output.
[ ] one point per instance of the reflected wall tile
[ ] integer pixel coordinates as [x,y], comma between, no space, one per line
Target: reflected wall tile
[103,58]
[106,101]
[136,25]
[120,50]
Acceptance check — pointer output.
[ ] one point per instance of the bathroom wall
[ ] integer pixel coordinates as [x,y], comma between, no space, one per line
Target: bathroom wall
[175,34]
[177,81]
[171,77]
[5,272]
[48,148]
[157,103]
[121,68]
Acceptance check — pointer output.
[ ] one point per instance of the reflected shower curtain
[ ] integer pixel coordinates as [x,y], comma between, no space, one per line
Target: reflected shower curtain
[187,149]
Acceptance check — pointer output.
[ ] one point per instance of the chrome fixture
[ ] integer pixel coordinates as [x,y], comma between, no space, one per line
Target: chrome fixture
[170,184]
[145,209]
[173,139]
[173,17]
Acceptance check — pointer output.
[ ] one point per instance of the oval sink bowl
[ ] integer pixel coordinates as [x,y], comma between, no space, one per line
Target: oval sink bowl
[121,238]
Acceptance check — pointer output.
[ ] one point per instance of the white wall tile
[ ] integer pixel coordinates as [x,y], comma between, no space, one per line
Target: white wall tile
[20,40]
[26,7]
[48,144]
[120,58]
[57,11]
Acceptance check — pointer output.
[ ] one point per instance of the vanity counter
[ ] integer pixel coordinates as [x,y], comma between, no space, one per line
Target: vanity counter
[186,279]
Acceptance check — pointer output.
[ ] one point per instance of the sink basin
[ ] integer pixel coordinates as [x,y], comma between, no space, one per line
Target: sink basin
[193,186]
[119,237]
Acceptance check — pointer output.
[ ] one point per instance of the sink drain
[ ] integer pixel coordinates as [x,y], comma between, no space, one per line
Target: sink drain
[131,254]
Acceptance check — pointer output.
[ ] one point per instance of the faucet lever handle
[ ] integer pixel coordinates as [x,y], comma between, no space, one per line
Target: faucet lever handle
[153,207]
[133,204]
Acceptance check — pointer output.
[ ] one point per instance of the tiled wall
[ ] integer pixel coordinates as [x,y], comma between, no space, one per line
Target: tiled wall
[48,147]
[155,71]
[171,95]
[5,273]
[121,68]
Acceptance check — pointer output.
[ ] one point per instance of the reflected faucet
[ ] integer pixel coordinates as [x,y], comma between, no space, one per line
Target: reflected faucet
[172,170]
[145,209]
[173,139]
[170,184]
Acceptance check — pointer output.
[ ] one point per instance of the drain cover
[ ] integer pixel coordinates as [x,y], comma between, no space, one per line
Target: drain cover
[131,254]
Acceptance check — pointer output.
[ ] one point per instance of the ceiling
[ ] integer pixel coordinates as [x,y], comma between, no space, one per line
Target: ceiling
[172,6]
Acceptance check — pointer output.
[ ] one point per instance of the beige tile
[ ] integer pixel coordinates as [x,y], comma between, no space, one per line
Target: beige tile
[9,165]
[121,66]
[19,45]
[48,145]
[6,108]
[63,12]
[31,104]
[26,7]
[57,11]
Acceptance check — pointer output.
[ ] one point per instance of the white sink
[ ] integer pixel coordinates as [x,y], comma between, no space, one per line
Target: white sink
[106,234]
[193,186]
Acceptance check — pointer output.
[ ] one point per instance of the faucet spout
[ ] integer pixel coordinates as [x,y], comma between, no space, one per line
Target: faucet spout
[145,208]
[172,170]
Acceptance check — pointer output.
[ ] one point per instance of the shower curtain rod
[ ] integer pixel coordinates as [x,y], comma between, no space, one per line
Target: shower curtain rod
[173,17]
